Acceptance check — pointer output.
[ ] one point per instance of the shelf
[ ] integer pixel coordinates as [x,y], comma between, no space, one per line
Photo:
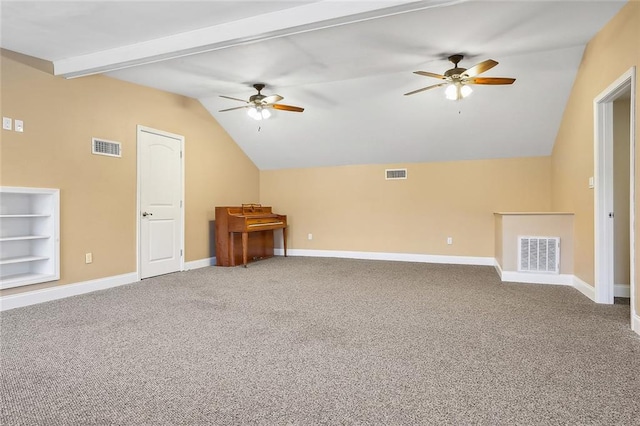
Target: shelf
[17,280]
[25,237]
[30,235]
[21,259]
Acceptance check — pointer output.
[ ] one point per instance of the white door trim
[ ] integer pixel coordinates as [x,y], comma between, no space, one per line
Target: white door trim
[603,196]
[139,129]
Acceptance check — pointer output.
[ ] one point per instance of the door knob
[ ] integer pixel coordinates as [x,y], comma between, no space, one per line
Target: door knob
[145,214]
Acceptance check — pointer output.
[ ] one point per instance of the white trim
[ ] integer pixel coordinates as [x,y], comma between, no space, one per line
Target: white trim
[60,292]
[202,263]
[402,257]
[622,290]
[535,278]
[584,288]
[554,279]
[498,267]
[139,129]
[632,197]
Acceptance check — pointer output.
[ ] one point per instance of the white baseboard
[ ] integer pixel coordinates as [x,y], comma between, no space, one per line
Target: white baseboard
[561,279]
[621,290]
[60,292]
[533,278]
[498,267]
[584,288]
[202,263]
[635,323]
[401,257]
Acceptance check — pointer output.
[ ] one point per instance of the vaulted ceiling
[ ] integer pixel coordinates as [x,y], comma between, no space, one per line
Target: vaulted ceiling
[347,62]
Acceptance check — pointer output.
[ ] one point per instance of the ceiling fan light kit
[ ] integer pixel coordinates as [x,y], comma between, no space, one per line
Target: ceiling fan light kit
[258,113]
[258,105]
[458,79]
[457,91]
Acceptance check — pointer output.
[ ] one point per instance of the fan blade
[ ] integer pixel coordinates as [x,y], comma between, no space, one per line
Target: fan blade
[231,109]
[287,107]
[426,88]
[233,99]
[489,80]
[480,68]
[430,74]
[272,99]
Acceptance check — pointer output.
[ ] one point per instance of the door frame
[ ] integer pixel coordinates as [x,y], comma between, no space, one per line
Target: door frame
[603,195]
[140,129]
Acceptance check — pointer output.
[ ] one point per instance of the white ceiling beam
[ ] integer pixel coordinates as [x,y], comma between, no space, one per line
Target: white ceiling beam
[307,17]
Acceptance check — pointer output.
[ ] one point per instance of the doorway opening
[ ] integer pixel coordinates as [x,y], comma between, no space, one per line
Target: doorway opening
[614,195]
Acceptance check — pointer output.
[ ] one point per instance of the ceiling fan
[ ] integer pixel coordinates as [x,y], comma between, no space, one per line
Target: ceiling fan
[260,104]
[459,79]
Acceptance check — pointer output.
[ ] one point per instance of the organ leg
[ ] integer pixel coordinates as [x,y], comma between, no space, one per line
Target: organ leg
[232,258]
[245,243]
[284,240]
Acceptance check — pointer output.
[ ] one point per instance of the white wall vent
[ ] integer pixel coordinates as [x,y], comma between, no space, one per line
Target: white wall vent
[394,174]
[539,254]
[105,147]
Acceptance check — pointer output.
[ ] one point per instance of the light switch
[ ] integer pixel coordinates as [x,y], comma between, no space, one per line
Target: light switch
[590,180]
[6,123]
[19,126]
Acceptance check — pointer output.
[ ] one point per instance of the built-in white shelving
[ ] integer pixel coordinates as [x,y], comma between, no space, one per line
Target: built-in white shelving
[29,236]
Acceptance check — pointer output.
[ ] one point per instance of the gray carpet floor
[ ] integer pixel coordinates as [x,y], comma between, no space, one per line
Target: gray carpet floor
[312,341]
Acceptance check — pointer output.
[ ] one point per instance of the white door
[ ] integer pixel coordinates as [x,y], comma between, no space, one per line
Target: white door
[160,199]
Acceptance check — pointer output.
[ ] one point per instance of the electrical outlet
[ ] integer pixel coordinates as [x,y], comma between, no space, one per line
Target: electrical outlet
[449,240]
[6,123]
[88,257]
[309,236]
[19,125]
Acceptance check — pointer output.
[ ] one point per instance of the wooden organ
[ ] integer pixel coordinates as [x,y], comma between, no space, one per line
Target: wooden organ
[245,233]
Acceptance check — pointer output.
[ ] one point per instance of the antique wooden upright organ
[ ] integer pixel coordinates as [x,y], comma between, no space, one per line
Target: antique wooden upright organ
[245,233]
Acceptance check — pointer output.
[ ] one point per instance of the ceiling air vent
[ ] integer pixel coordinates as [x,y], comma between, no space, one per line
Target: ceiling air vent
[395,174]
[105,147]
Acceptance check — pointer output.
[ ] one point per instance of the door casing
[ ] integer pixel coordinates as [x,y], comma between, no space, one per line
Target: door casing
[603,194]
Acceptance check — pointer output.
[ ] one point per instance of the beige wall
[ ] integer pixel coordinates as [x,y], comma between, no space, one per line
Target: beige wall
[516,225]
[98,194]
[621,153]
[612,52]
[355,208]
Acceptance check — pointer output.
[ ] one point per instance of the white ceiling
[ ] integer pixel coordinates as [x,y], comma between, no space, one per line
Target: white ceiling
[346,62]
